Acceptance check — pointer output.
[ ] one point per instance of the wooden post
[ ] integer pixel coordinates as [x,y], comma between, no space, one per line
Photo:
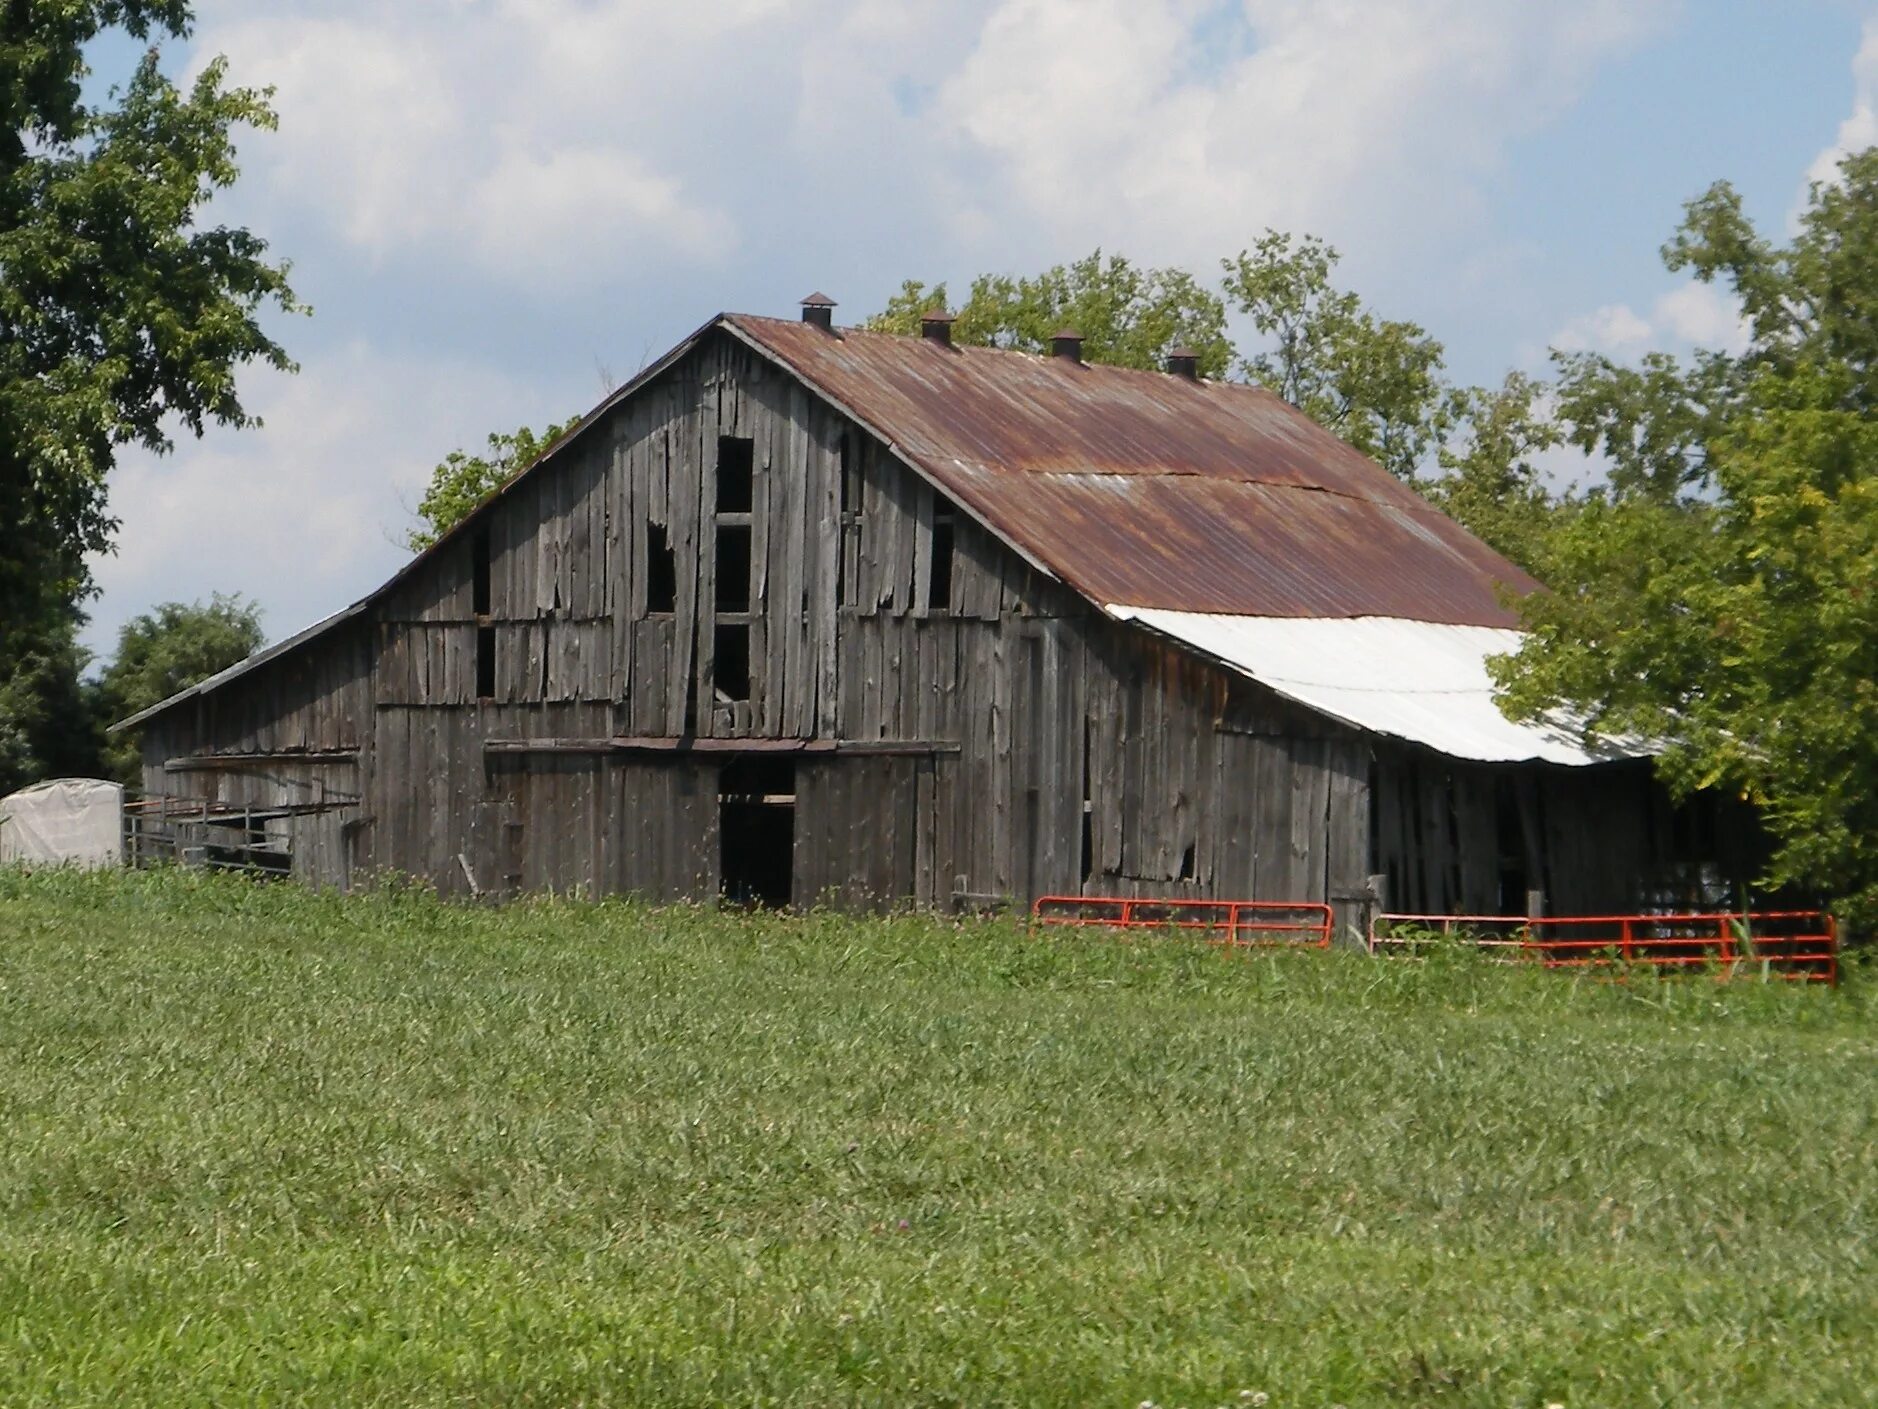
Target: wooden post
[1535,909]
[1377,904]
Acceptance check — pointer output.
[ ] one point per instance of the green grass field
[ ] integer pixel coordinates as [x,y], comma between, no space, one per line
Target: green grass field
[259,1146]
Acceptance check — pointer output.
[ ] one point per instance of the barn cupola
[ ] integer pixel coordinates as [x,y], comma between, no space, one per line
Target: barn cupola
[1066,343]
[935,325]
[819,309]
[1183,361]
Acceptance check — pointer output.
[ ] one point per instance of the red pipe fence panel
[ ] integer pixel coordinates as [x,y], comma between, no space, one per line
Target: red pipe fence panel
[1784,944]
[1234,924]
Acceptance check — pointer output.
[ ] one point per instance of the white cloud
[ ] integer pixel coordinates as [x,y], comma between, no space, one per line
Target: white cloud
[513,137]
[1692,314]
[1860,127]
[1703,315]
[308,511]
[1167,130]
[573,204]
[1176,129]
[1614,329]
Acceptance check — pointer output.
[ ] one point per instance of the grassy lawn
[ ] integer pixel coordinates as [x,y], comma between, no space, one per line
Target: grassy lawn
[260,1146]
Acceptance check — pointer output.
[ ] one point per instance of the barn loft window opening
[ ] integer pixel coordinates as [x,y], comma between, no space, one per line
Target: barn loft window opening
[939,579]
[730,662]
[848,523]
[661,571]
[850,480]
[485,662]
[479,572]
[736,474]
[733,567]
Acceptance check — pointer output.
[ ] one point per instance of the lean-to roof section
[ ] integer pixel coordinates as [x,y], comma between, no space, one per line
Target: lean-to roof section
[1426,682]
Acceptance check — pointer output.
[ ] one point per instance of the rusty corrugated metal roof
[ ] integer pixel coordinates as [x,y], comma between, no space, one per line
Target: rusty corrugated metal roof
[1154,490]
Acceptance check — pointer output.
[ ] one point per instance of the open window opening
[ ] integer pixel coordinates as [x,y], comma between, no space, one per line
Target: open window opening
[733,567]
[485,662]
[479,571]
[756,798]
[736,474]
[661,571]
[1187,863]
[939,580]
[730,662]
[847,528]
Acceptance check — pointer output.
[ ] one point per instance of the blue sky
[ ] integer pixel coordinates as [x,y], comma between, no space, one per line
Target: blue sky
[499,209]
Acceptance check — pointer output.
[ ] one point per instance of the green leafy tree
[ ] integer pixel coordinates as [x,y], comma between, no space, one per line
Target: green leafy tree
[121,313]
[170,648]
[1376,382]
[461,481]
[1652,424]
[1128,316]
[1492,481]
[1724,598]
[47,729]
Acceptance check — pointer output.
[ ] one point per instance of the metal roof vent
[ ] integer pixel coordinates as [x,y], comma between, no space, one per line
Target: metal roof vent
[935,325]
[1066,342]
[819,309]
[1183,361]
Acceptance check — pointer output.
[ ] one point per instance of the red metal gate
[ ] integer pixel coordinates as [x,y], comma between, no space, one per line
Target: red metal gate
[1233,924]
[1787,944]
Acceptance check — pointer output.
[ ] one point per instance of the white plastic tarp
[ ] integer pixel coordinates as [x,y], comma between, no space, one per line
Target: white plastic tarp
[1417,680]
[74,821]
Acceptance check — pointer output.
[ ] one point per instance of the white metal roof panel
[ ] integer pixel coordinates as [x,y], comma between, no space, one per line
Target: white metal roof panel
[1423,681]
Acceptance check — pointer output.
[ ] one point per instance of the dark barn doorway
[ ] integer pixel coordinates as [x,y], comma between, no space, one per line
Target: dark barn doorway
[756,800]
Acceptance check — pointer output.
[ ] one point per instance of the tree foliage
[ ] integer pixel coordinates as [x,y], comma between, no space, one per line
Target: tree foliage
[165,650]
[1492,481]
[121,315]
[1721,593]
[1128,316]
[1377,382]
[46,726]
[461,481]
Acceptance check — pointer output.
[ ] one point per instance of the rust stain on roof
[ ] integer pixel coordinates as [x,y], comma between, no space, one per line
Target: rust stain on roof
[1152,490]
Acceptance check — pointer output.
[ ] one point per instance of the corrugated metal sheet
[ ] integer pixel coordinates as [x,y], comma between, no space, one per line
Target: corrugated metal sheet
[1151,489]
[1422,681]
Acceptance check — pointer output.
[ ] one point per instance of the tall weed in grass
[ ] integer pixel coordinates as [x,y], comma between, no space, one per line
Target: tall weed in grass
[264,1145]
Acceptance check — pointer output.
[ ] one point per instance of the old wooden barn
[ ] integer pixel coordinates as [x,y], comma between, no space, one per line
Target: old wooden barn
[811,614]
